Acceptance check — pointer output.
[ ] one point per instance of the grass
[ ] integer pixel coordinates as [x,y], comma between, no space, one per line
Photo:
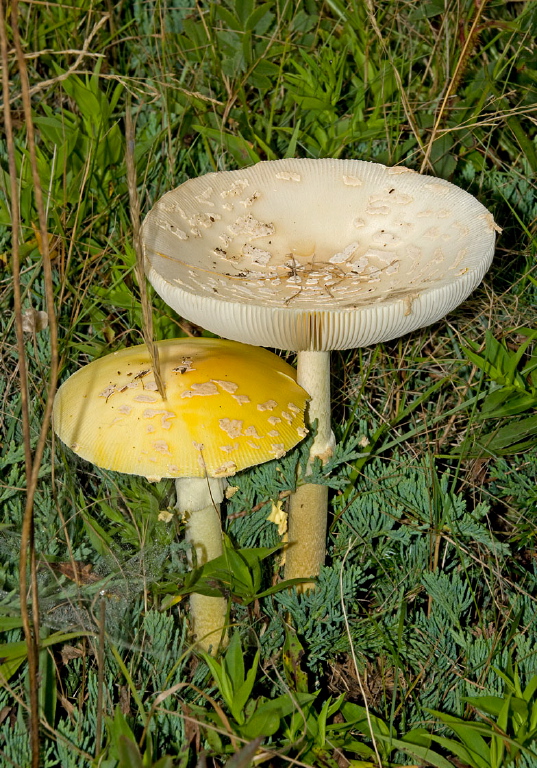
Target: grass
[426,609]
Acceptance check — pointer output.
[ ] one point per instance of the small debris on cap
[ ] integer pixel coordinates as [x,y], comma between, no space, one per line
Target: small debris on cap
[285,265]
[126,429]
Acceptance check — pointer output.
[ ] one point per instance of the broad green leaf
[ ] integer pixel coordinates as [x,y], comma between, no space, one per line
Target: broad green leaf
[357,715]
[119,732]
[241,572]
[474,743]
[282,586]
[99,538]
[221,678]
[233,662]
[336,705]
[128,752]
[533,718]
[317,723]
[417,751]
[48,692]
[239,148]
[165,762]
[507,401]
[494,705]
[244,757]
[12,655]
[513,438]
[228,18]
[530,689]
[497,749]
[245,690]
[10,622]
[287,703]
[484,365]
[291,147]
[460,751]
[266,719]
[244,9]
[291,658]
[264,723]
[258,15]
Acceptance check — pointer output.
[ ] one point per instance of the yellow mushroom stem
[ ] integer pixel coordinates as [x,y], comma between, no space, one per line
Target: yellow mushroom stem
[308,508]
[198,501]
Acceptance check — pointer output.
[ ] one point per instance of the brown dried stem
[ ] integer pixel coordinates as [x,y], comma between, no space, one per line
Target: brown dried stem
[453,83]
[31,628]
[84,53]
[147,315]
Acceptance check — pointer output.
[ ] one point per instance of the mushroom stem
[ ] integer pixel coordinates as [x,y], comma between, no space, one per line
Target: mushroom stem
[308,508]
[198,500]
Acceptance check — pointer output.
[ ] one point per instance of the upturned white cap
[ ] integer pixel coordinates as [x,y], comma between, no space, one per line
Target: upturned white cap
[229,406]
[316,254]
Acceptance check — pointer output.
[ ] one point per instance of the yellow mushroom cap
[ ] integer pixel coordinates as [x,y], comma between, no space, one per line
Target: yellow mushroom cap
[229,406]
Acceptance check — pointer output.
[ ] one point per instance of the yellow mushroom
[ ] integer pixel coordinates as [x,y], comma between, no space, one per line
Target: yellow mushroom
[213,423]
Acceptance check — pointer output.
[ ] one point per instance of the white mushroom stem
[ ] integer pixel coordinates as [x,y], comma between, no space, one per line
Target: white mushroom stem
[198,500]
[308,508]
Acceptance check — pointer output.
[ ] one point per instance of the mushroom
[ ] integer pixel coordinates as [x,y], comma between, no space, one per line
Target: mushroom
[311,256]
[229,406]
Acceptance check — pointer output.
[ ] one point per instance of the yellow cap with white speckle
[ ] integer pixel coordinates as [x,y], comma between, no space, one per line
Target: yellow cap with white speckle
[229,406]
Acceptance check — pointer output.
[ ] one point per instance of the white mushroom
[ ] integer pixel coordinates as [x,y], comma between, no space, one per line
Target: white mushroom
[349,253]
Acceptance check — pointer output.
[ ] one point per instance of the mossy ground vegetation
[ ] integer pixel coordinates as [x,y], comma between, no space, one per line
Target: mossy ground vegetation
[419,644]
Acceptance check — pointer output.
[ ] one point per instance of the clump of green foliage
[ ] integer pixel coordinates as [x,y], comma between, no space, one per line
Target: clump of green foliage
[418,644]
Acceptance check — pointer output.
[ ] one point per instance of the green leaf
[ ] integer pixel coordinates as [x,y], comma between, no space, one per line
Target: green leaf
[228,18]
[48,694]
[244,9]
[128,752]
[457,749]
[474,743]
[233,662]
[357,715]
[10,622]
[100,539]
[492,705]
[243,694]
[507,401]
[244,757]
[120,734]
[12,655]
[513,438]
[266,718]
[291,657]
[263,723]
[530,689]
[495,706]
[282,586]
[318,721]
[240,149]
[416,751]
[221,678]
[291,147]
[165,762]
[258,15]
[498,362]
[237,571]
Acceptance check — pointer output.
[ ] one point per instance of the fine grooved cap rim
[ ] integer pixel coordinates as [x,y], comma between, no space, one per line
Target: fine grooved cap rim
[316,254]
[229,406]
